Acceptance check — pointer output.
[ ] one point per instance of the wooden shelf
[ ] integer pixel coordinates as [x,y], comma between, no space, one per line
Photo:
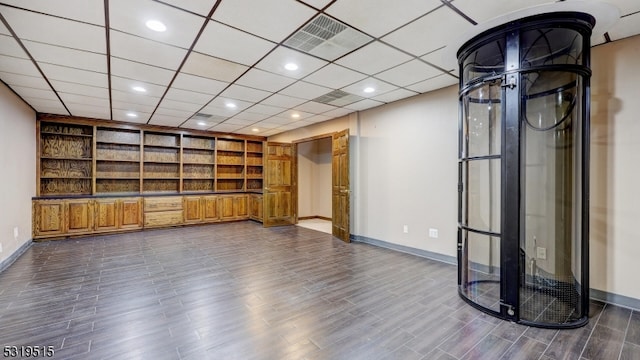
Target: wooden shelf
[197,148]
[146,146]
[116,178]
[65,134]
[119,160]
[160,178]
[197,163]
[67,177]
[161,162]
[66,158]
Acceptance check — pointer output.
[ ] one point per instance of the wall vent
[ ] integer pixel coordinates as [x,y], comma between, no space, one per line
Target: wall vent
[327,38]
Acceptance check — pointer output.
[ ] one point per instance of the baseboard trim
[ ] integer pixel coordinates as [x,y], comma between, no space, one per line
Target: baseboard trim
[595,294]
[315,217]
[4,264]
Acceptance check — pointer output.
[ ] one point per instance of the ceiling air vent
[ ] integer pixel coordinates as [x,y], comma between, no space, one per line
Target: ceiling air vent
[201,116]
[327,38]
[338,98]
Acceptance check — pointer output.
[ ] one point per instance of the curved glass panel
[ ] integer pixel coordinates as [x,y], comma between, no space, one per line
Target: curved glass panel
[485,61]
[482,110]
[480,278]
[550,46]
[549,98]
[481,195]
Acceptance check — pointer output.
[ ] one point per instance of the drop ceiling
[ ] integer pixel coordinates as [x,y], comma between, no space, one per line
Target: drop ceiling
[223,65]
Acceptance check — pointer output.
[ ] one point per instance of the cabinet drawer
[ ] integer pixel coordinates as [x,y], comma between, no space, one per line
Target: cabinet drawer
[163,203]
[165,218]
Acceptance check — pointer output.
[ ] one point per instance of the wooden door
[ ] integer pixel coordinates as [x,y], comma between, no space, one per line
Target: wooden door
[278,188]
[106,218]
[340,185]
[79,215]
[48,218]
[210,208]
[130,213]
[226,207]
[240,206]
[192,206]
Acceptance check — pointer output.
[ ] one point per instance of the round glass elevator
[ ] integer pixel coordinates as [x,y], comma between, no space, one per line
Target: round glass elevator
[524,170]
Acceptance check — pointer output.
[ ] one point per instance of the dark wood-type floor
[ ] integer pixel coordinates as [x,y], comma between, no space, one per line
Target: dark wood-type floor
[239,291]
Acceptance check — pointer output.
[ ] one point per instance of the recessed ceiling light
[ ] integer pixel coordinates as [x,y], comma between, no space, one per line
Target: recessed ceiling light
[156,25]
[231,105]
[255,129]
[132,115]
[369,89]
[295,116]
[139,89]
[291,66]
[202,123]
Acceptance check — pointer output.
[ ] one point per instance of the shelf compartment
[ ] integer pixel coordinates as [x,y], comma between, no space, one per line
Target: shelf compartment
[117,185]
[254,159]
[117,152]
[230,145]
[230,184]
[66,129]
[160,185]
[156,170]
[230,158]
[200,143]
[64,168]
[117,169]
[230,171]
[198,156]
[254,184]
[162,140]
[65,186]
[198,171]
[254,147]
[117,136]
[197,185]
[60,146]
[161,154]
[254,171]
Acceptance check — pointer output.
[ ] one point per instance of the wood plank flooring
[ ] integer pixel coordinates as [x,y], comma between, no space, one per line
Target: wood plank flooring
[239,291]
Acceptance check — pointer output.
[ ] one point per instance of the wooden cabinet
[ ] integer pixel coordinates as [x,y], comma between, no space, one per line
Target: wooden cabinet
[255,207]
[106,214]
[118,214]
[130,213]
[234,207]
[48,218]
[201,209]
[79,216]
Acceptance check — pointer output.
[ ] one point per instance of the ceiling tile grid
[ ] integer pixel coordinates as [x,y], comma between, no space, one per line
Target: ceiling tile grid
[270,65]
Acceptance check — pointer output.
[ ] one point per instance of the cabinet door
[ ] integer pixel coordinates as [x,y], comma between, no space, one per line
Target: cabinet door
[130,213]
[106,215]
[79,215]
[255,207]
[192,206]
[210,208]
[48,218]
[226,208]
[241,208]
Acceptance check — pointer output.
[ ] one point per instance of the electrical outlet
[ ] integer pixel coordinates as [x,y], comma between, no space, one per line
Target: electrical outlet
[405,229]
[15,233]
[541,253]
[433,233]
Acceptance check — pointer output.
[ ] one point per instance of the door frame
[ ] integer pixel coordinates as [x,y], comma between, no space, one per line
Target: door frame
[294,171]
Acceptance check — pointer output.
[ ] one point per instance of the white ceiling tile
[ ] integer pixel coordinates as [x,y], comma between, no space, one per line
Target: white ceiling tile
[294,115]
[597,40]
[19,66]
[175,113]
[440,58]
[145,51]
[3,29]
[626,6]
[266,109]
[90,11]
[127,85]
[305,90]
[625,27]
[235,121]
[283,101]
[26,92]
[314,107]
[166,120]
[318,118]
[128,106]
[483,11]
[89,101]
[23,80]
[378,86]
[10,47]
[409,73]
[142,72]
[249,116]
[89,111]
[225,128]
[188,96]
[213,68]
[197,124]
[227,43]
[244,93]
[394,95]
[374,58]
[265,18]
[78,89]
[222,102]
[57,55]
[85,36]
[201,7]
[266,124]
[121,115]
[196,83]
[179,105]
[338,112]
[47,106]
[318,4]
[264,80]
[378,17]
[281,56]
[426,34]
[131,16]
[334,76]
[437,82]
[364,104]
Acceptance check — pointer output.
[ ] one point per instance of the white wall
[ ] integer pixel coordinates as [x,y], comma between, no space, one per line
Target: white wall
[18,163]
[404,169]
[314,178]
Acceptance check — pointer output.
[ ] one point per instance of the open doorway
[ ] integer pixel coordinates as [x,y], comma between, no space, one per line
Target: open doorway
[314,175]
